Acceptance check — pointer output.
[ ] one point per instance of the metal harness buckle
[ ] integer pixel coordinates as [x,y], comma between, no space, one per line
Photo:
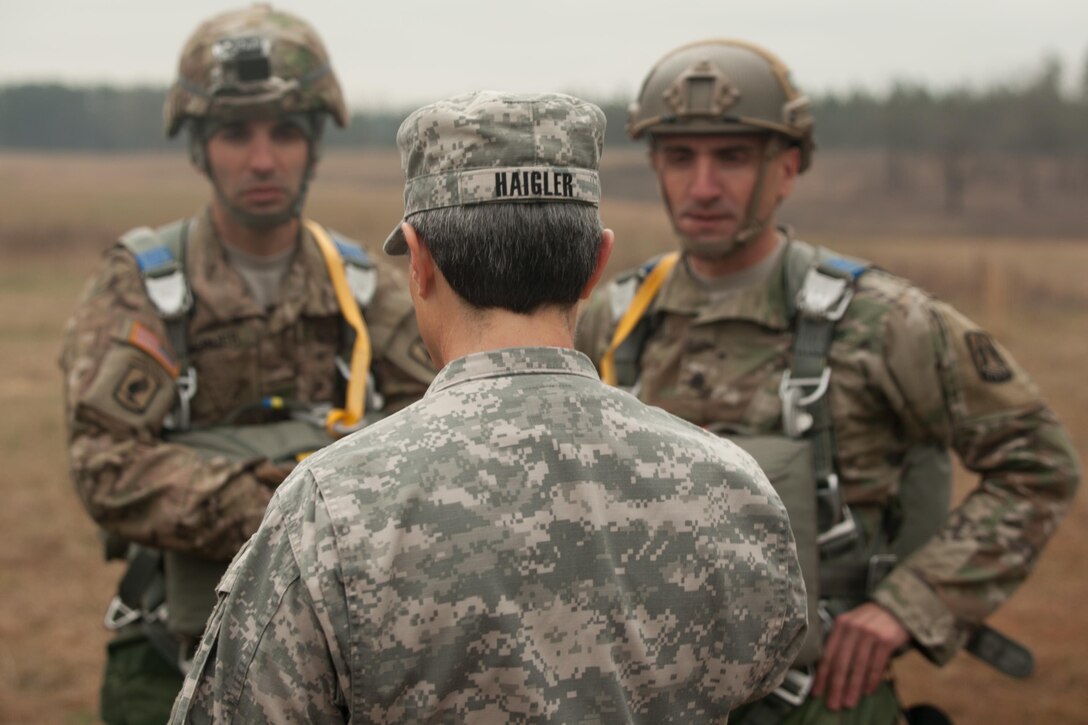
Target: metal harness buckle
[169,293]
[795,420]
[119,614]
[844,532]
[363,282]
[843,529]
[795,687]
[827,621]
[375,401]
[880,565]
[178,419]
[824,296]
[315,415]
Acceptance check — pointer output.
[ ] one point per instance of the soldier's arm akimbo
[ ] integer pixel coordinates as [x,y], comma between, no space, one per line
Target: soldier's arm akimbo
[974,397]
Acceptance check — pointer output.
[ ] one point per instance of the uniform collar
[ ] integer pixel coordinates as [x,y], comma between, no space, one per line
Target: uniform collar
[306,287]
[513,361]
[763,303]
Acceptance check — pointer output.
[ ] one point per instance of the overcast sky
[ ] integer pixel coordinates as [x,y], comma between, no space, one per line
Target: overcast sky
[409,52]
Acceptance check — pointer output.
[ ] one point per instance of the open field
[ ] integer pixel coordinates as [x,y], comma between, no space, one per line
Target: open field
[58,212]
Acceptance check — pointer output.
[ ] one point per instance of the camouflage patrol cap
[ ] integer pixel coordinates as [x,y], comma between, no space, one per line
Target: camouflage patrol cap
[253,61]
[722,86]
[489,146]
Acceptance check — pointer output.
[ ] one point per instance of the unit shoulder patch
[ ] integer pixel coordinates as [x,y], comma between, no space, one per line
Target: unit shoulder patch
[989,363]
[136,389]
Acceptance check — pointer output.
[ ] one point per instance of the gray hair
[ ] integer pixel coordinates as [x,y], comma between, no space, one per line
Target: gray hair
[518,257]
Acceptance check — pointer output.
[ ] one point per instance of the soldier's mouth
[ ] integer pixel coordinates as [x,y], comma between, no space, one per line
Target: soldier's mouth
[264,194]
[708,220]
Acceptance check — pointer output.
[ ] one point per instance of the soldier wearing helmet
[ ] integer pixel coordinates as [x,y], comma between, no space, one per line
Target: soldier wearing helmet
[849,385]
[210,354]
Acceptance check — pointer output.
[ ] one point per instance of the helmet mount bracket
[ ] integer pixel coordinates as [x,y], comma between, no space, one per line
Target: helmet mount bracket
[702,90]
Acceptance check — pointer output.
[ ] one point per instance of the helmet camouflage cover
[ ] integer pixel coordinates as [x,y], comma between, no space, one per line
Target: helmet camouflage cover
[250,61]
[722,86]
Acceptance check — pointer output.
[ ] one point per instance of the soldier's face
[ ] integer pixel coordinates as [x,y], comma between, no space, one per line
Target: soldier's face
[708,181]
[258,166]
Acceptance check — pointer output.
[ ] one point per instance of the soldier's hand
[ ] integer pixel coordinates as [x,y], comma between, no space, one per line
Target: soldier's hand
[856,655]
[272,474]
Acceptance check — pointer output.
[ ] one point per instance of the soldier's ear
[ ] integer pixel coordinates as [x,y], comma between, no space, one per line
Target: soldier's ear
[604,252]
[790,164]
[421,268]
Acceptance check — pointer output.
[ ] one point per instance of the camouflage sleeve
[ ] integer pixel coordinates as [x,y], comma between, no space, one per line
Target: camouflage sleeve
[401,366]
[595,326]
[959,386]
[119,386]
[265,655]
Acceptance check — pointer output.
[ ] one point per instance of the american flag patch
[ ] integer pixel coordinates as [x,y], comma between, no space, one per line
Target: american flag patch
[142,338]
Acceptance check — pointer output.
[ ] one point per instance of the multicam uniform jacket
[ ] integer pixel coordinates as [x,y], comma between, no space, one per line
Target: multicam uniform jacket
[905,369]
[524,544]
[120,385]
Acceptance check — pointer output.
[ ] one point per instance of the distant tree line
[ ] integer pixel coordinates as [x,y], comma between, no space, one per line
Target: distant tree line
[1029,116]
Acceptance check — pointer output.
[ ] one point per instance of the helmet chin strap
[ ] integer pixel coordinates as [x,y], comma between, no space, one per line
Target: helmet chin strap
[751,225]
[199,156]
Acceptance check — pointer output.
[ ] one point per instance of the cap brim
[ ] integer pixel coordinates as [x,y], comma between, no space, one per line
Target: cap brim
[395,245]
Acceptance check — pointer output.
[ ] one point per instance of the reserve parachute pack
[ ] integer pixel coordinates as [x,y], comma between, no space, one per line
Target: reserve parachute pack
[799,462]
[839,567]
[171,594]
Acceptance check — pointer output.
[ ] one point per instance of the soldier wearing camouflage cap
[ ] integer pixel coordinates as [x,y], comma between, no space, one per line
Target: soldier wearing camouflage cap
[210,353]
[848,384]
[524,543]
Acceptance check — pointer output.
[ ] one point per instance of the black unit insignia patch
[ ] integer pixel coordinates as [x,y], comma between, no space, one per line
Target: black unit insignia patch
[988,362]
[136,390]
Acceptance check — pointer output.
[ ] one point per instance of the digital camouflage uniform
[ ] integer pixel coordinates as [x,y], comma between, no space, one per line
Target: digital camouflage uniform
[119,375]
[523,544]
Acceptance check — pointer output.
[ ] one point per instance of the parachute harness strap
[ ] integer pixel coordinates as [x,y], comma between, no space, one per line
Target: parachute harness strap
[645,295]
[340,421]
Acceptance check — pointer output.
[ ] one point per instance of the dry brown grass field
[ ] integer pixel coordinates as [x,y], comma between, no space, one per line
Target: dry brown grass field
[1023,278]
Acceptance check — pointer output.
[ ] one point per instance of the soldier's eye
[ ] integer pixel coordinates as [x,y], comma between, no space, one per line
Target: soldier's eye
[677,156]
[287,131]
[234,133]
[738,155]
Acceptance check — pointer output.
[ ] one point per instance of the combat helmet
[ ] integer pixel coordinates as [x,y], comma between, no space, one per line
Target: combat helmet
[253,60]
[252,63]
[722,86]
